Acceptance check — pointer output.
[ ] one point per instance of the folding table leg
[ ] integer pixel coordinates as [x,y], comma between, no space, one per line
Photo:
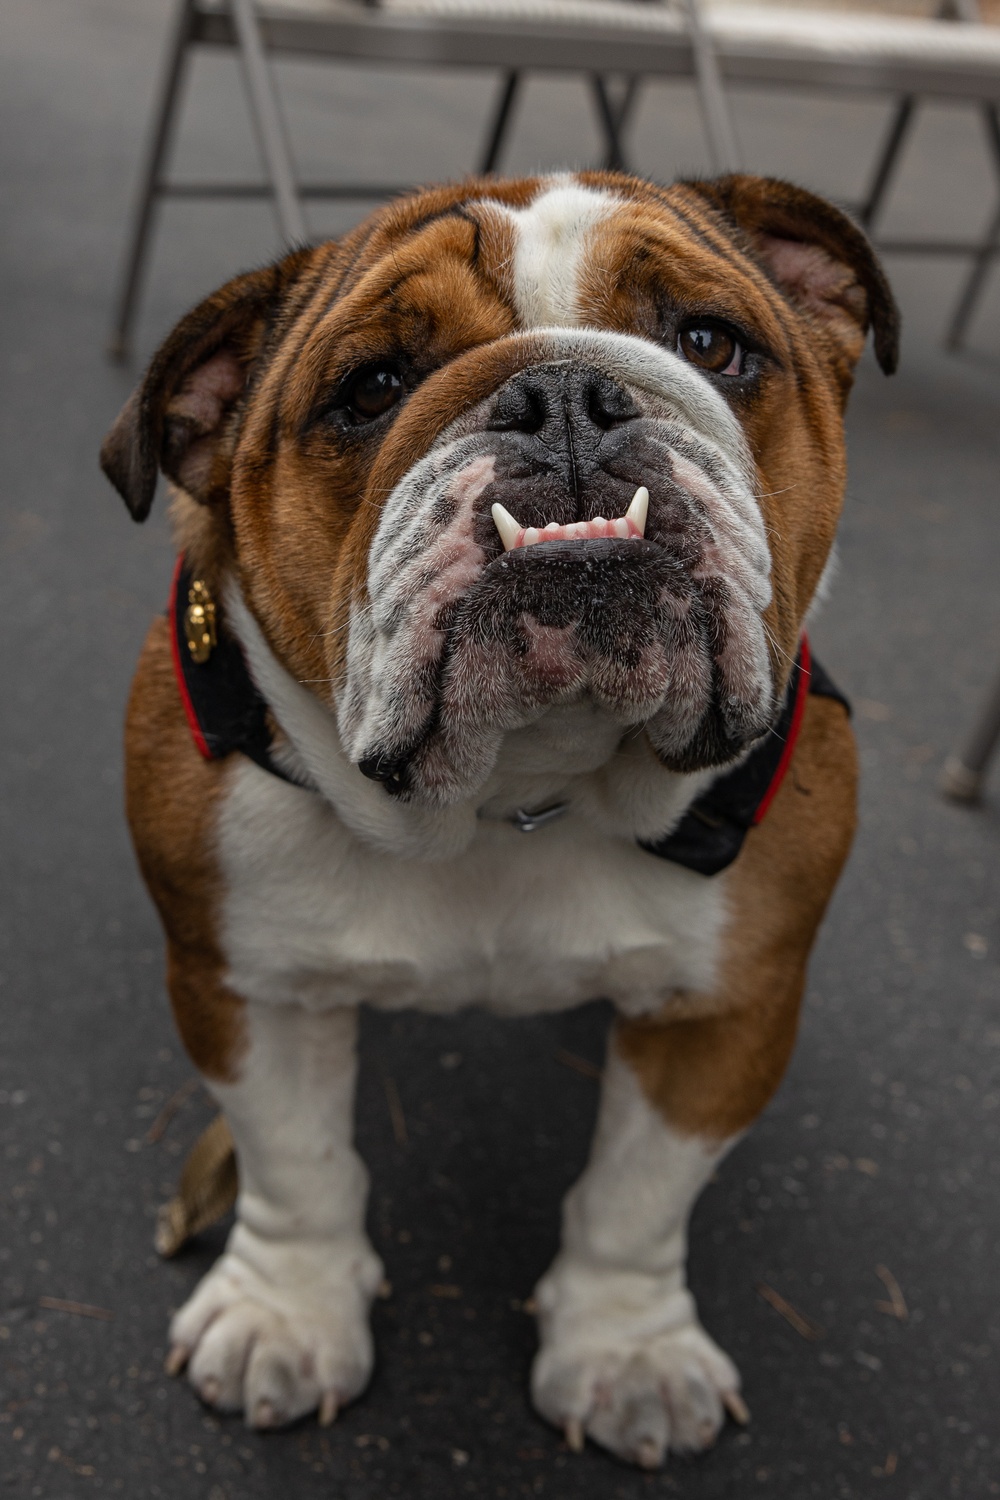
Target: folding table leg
[611,118]
[627,103]
[268,123]
[963,774]
[722,147]
[149,183]
[972,290]
[501,119]
[888,161]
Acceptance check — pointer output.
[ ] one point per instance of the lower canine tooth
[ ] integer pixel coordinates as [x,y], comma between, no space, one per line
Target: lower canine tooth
[638,510]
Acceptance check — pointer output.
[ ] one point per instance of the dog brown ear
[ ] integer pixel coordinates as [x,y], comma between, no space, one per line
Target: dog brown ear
[178,418]
[818,257]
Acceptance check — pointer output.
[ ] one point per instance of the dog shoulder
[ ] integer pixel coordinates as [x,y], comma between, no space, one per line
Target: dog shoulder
[172,794]
[808,831]
[779,888]
[174,799]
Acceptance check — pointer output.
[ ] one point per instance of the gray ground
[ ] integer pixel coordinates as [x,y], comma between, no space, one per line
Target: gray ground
[880,1149]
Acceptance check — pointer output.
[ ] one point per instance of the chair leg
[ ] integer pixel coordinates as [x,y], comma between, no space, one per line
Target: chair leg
[613,116]
[268,124]
[963,774]
[149,184]
[501,119]
[973,288]
[888,161]
[628,102]
[721,136]
[610,118]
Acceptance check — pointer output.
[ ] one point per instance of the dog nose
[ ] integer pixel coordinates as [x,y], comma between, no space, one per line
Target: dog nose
[552,402]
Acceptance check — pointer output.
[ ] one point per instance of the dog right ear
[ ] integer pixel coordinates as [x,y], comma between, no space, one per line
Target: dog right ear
[179,419]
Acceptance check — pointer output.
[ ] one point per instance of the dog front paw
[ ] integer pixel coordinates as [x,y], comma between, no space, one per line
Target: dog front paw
[279,1330]
[631,1368]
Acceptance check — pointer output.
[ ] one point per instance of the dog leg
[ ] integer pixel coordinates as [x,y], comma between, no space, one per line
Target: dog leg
[279,1326]
[623,1357]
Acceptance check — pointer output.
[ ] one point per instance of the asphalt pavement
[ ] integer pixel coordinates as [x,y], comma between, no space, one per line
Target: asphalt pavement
[868,1196]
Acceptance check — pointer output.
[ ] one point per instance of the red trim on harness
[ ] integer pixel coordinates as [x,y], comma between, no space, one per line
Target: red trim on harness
[175,652]
[802,692]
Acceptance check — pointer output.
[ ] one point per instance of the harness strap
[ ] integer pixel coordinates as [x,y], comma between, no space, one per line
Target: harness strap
[711,833]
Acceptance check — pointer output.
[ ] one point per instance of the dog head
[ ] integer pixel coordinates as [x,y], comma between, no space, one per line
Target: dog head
[515,445]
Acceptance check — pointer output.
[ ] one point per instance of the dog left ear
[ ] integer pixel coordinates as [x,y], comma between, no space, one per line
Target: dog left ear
[177,419]
[822,261]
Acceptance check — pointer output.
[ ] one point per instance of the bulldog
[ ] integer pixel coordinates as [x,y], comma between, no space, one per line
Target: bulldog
[485,684]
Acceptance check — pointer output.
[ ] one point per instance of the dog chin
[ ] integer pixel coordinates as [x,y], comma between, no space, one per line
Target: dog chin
[455,761]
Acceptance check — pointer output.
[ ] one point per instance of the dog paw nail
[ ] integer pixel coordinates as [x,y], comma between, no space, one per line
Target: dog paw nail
[736,1407]
[574,1435]
[210,1390]
[649,1454]
[328,1408]
[263,1415]
[176,1359]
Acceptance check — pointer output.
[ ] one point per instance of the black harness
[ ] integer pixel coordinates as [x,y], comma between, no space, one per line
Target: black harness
[226,713]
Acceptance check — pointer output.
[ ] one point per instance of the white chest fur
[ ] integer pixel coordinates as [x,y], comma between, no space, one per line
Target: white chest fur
[517,922]
[347,895]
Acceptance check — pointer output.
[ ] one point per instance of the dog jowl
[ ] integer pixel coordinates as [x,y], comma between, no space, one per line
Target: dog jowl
[504,513]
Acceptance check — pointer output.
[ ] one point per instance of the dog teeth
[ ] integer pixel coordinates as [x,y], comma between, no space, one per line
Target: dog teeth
[631,524]
[510,531]
[638,510]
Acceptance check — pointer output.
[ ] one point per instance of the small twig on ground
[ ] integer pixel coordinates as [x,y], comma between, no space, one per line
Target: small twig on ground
[176,1101]
[396,1114]
[57,1456]
[803,1326]
[79,1309]
[578,1064]
[896,1306]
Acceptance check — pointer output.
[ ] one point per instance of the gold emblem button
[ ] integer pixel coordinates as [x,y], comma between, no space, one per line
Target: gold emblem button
[199,622]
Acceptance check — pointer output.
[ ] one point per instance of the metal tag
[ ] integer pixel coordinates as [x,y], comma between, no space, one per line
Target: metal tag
[527,822]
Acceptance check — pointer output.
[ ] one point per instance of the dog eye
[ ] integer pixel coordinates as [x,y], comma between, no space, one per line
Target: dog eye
[371,391]
[711,347]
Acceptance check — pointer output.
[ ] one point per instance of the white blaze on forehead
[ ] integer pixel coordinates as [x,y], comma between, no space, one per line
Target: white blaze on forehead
[550,237]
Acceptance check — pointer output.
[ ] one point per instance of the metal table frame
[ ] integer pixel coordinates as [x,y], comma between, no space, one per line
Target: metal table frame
[615,67]
[236,24]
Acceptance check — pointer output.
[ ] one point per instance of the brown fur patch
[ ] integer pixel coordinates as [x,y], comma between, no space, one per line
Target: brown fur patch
[712,1074]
